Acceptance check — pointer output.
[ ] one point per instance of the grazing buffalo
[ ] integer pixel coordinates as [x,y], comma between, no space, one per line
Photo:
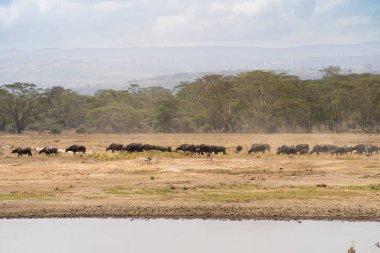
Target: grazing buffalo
[322,148]
[188,148]
[363,148]
[369,150]
[238,149]
[148,147]
[360,148]
[338,151]
[23,151]
[204,149]
[302,149]
[49,151]
[349,149]
[288,150]
[375,148]
[218,149]
[134,147]
[115,147]
[259,147]
[76,148]
[164,149]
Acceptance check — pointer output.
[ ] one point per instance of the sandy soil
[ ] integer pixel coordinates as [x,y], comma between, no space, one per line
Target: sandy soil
[176,185]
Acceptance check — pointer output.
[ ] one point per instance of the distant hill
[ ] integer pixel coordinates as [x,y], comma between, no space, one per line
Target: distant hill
[87,70]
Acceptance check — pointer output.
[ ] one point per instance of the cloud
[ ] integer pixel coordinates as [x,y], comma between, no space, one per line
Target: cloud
[274,8]
[324,6]
[122,23]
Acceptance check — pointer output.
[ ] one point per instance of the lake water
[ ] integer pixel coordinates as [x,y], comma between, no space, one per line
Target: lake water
[195,236]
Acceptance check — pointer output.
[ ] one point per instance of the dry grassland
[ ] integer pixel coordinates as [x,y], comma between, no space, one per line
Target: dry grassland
[177,185]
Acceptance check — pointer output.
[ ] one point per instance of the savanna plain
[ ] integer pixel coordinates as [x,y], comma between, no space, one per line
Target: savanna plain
[179,185]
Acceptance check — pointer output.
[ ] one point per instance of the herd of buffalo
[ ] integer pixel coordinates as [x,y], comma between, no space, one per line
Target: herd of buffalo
[203,149]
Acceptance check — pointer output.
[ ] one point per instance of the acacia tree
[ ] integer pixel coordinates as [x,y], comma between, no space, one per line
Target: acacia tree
[19,102]
[65,106]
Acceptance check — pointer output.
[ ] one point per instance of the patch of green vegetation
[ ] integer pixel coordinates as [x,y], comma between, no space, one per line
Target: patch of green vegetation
[143,172]
[370,187]
[243,192]
[372,166]
[95,196]
[117,190]
[126,155]
[236,172]
[157,191]
[305,193]
[26,195]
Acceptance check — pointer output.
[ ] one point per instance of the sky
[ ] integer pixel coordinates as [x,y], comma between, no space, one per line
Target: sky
[37,24]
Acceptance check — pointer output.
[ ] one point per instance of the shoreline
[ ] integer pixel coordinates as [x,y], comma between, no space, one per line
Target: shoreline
[197,212]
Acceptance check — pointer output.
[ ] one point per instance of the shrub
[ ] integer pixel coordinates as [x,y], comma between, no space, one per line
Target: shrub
[55,130]
[81,129]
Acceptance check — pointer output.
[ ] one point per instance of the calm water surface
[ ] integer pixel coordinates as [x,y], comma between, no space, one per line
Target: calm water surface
[195,236]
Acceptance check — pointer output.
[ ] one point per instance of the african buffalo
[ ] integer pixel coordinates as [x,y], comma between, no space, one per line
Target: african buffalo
[148,147]
[49,151]
[23,151]
[76,148]
[302,149]
[218,149]
[288,150]
[133,147]
[259,147]
[338,151]
[164,149]
[238,149]
[187,148]
[322,148]
[115,147]
[369,150]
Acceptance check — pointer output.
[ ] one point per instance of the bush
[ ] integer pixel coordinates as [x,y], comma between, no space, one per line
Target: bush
[36,127]
[55,130]
[81,129]
[11,128]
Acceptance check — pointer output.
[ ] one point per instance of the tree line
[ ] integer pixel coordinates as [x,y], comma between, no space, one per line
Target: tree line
[256,101]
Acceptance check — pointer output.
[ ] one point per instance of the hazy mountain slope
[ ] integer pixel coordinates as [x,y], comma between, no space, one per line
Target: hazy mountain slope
[89,69]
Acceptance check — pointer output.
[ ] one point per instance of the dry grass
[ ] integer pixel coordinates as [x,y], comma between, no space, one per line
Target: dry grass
[99,178]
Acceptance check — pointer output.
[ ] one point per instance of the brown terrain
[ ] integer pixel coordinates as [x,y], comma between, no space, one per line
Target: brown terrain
[177,185]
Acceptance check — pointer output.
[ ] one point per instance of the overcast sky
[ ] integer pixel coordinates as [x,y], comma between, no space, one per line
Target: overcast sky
[31,24]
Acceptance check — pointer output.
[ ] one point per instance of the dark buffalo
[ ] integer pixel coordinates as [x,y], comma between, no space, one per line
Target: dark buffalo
[164,149]
[374,148]
[148,147]
[360,148]
[218,149]
[134,147]
[338,151]
[322,148]
[302,149]
[259,147]
[288,150]
[188,148]
[369,150]
[238,149]
[115,147]
[76,148]
[204,149]
[49,151]
[23,151]
[349,149]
